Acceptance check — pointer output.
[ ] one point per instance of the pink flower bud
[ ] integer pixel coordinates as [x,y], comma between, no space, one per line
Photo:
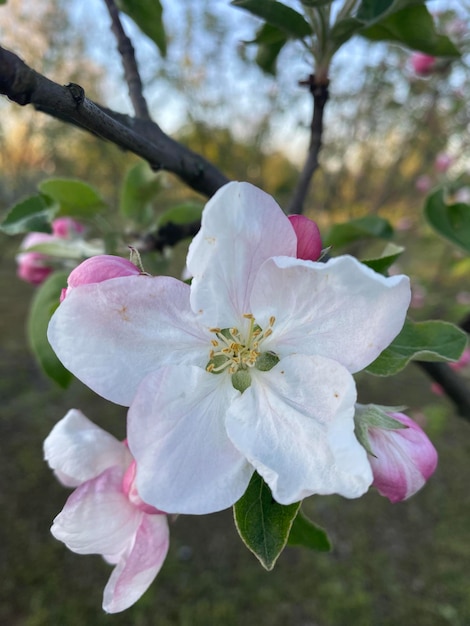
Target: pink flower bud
[65,227]
[423,64]
[33,267]
[462,362]
[443,162]
[98,269]
[308,237]
[404,459]
[423,183]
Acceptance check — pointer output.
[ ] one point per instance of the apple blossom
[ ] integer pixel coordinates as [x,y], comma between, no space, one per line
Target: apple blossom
[400,453]
[249,368]
[105,514]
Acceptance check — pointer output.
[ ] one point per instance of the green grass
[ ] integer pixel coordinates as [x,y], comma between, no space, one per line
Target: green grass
[391,564]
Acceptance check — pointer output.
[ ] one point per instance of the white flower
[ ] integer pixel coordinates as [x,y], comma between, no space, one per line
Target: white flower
[105,514]
[247,369]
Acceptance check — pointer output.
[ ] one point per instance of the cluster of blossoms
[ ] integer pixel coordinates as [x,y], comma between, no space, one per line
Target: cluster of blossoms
[34,266]
[249,368]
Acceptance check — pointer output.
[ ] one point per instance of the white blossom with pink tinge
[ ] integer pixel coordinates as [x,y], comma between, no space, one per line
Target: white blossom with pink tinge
[249,368]
[105,515]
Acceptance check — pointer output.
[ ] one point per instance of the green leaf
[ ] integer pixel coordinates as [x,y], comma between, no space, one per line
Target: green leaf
[371,10]
[404,21]
[315,3]
[451,221]
[270,41]
[424,341]
[388,257]
[45,301]
[262,523]
[267,54]
[148,15]
[74,197]
[139,188]
[414,27]
[34,214]
[361,228]
[285,18]
[307,534]
[183,213]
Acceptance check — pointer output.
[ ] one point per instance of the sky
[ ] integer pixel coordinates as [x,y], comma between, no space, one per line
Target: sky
[205,78]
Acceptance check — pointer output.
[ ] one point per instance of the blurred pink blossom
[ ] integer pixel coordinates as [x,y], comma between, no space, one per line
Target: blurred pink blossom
[423,64]
[33,266]
[66,227]
[423,183]
[462,363]
[442,162]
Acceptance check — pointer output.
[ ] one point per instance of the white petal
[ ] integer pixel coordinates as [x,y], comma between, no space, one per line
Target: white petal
[79,450]
[136,571]
[98,518]
[176,433]
[241,227]
[110,335]
[295,425]
[342,309]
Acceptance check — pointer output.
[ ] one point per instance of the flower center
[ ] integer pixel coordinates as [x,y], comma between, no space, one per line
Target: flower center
[237,352]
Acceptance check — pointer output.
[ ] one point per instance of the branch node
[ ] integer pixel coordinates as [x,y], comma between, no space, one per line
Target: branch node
[77,92]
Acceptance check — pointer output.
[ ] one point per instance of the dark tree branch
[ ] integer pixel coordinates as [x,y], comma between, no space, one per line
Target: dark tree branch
[142,137]
[319,91]
[452,384]
[131,71]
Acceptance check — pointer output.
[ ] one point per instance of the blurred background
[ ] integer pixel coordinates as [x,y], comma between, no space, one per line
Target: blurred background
[391,136]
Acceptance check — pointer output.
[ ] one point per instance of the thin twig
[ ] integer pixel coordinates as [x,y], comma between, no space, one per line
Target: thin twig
[131,71]
[319,91]
[142,137]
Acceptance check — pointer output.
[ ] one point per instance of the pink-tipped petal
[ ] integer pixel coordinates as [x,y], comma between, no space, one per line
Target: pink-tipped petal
[98,517]
[135,571]
[308,237]
[99,268]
